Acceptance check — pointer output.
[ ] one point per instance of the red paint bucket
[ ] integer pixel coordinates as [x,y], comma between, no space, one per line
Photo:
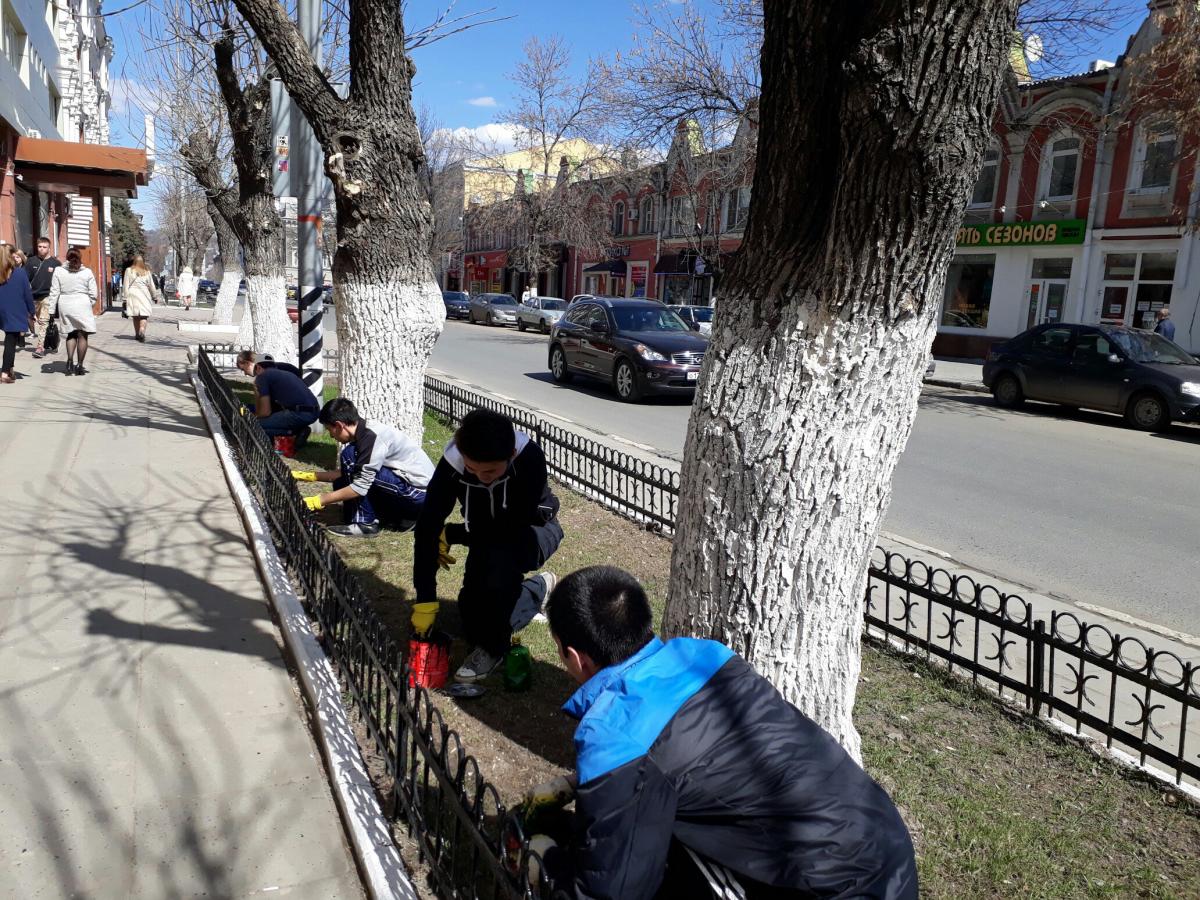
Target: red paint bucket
[285,445]
[428,662]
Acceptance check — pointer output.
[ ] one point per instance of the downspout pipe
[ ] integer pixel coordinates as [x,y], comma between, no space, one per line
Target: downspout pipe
[1102,152]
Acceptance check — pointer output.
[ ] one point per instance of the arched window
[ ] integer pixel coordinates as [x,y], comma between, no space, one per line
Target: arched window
[646,217]
[985,188]
[618,224]
[1062,169]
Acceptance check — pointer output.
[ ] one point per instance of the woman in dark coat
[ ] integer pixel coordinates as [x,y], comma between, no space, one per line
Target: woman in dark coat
[16,310]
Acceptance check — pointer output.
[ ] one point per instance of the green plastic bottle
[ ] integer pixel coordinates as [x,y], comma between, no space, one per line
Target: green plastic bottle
[518,667]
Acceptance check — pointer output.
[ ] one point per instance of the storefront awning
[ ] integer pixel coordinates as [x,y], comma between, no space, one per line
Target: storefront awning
[670,264]
[64,167]
[611,266]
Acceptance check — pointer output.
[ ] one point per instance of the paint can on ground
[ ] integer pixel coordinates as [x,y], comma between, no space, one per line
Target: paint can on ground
[428,662]
[285,445]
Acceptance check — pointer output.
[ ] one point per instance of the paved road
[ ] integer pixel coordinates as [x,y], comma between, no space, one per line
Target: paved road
[1071,505]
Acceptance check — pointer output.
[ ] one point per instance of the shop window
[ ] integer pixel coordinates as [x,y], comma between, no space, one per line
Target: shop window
[1137,286]
[1155,158]
[969,291]
[1052,268]
[1062,167]
[618,220]
[1158,267]
[1120,266]
[646,217]
[984,193]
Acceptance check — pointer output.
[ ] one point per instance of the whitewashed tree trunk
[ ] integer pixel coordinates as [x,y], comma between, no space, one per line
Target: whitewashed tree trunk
[227,295]
[386,332]
[873,123]
[266,304]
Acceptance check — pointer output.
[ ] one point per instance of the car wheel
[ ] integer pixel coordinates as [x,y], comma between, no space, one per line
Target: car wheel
[1007,391]
[1148,411]
[625,381]
[545,327]
[520,324]
[558,366]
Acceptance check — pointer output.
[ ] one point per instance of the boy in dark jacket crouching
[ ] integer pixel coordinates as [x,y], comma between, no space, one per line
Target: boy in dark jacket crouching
[683,743]
[498,477]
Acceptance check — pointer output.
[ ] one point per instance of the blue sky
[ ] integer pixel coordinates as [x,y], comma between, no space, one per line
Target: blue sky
[464,79]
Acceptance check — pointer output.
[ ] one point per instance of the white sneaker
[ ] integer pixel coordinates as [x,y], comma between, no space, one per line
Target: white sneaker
[551,581]
[478,665]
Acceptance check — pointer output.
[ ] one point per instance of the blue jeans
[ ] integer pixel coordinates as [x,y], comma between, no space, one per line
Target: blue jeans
[287,421]
[391,500]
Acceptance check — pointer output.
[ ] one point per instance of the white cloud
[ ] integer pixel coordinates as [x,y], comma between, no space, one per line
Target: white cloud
[127,97]
[495,137]
[482,101]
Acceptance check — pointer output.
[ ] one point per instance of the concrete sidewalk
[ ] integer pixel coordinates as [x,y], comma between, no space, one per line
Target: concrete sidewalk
[955,373]
[151,741]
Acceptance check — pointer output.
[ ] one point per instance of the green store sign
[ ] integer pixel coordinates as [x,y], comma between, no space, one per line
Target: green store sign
[1022,234]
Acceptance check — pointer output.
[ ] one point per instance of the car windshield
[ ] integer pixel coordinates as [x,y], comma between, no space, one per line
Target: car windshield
[1146,347]
[553,304]
[502,300]
[648,319]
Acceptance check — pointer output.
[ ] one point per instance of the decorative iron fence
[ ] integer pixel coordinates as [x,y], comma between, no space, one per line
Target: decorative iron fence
[472,844]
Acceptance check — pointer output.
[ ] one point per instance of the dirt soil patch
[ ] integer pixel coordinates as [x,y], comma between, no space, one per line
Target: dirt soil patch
[999,805]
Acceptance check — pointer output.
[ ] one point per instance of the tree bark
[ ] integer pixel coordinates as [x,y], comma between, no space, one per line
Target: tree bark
[231,262]
[390,311]
[874,119]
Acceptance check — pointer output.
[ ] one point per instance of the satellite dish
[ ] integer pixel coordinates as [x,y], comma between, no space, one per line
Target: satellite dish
[1035,50]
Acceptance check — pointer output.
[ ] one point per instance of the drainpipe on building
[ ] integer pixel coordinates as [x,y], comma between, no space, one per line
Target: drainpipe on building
[1089,240]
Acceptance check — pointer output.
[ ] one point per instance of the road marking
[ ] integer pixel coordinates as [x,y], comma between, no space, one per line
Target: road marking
[1182,636]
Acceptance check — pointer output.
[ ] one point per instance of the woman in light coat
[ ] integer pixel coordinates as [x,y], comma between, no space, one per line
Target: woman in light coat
[139,295]
[185,287]
[72,296]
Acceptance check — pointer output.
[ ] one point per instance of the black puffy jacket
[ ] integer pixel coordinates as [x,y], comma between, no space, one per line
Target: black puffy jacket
[685,741]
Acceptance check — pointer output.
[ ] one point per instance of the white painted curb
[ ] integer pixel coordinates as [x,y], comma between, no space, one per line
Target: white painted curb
[369,831]
[208,329]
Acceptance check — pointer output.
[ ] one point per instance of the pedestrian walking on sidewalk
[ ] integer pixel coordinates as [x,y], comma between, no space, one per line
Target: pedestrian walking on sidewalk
[510,527]
[138,294]
[40,271]
[1164,325]
[72,296]
[16,310]
[382,476]
[185,287]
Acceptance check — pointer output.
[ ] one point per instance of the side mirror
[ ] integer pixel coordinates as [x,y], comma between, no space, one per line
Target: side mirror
[1113,358]
[695,326]
[598,328]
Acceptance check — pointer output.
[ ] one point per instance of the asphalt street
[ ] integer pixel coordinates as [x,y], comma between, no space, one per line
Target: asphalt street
[1072,505]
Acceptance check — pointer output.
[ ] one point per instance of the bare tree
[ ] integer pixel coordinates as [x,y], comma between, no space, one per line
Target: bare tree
[873,122]
[1063,29]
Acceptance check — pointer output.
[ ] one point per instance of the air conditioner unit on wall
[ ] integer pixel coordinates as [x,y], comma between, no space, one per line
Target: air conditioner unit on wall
[33,133]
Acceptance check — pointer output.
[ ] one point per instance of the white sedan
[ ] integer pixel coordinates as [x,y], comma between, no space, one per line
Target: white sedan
[540,313]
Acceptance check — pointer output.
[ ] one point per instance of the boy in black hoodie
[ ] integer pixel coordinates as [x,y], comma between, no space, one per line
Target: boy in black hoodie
[498,477]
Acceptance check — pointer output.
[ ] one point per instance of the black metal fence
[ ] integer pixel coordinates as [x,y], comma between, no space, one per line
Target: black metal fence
[472,844]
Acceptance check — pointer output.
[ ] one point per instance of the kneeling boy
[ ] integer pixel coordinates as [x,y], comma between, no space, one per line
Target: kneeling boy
[383,474]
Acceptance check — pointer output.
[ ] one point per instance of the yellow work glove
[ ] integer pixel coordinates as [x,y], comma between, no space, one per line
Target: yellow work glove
[301,475]
[556,792]
[445,560]
[314,502]
[423,617]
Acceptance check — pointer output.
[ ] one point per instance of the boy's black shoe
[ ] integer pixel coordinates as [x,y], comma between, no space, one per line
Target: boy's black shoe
[356,529]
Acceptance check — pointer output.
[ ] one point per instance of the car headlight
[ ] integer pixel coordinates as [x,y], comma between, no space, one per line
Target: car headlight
[648,354]
[1191,388]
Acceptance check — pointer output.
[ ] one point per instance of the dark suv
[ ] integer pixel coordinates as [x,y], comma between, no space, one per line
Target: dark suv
[639,346]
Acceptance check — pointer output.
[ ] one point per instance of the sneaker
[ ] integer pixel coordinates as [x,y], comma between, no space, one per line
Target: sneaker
[551,581]
[356,529]
[302,436]
[478,665]
[39,353]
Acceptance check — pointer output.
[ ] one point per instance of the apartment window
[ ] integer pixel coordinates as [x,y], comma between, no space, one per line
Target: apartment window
[14,45]
[646,217]
[737,206]
[1156,157]
[618,221]
[683,216]
[1062,168]
[984,193]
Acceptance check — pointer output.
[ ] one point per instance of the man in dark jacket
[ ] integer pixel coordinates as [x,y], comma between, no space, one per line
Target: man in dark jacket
[683,743]
[510,527]
[40,269]
[1164,325]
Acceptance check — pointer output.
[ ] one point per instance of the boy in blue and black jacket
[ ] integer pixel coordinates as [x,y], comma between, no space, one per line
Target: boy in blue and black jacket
[683,743]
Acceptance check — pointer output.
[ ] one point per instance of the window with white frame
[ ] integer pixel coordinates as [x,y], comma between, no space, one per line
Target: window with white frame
[737,205]
[646,216]
[14,45]
[683,216]
[1061,169]
[984,193]
[1155,157]
[618,220]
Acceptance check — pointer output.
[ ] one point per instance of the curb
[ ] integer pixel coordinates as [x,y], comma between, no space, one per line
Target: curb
[976,386]
[369,831]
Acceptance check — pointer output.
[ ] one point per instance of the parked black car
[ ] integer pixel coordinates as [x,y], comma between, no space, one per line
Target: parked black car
[639,346]
[458,304]
[206,289]
[1141,375]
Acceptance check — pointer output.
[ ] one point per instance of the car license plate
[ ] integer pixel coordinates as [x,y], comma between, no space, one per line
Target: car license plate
[692,376]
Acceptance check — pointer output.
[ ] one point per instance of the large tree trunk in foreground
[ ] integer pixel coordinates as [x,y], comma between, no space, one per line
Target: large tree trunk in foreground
[390,311]
[231,262]
[874,118]
[266,290]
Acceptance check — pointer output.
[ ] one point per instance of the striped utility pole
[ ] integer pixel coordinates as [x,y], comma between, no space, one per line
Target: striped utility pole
[306,177]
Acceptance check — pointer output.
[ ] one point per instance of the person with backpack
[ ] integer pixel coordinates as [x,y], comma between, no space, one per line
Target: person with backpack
[16,310]
[39,269]
[498,477]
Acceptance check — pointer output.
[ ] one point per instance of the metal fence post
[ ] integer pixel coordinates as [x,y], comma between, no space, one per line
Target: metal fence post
[1038,673]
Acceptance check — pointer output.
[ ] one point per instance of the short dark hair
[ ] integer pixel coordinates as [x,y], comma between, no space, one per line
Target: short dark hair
[74,259]
[601,611]
[486,436]
[42,239]
[341,410]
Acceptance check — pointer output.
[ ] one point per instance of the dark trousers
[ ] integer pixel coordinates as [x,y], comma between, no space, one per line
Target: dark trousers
[391,500]
[496,597]
[288,421]
[10,350]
